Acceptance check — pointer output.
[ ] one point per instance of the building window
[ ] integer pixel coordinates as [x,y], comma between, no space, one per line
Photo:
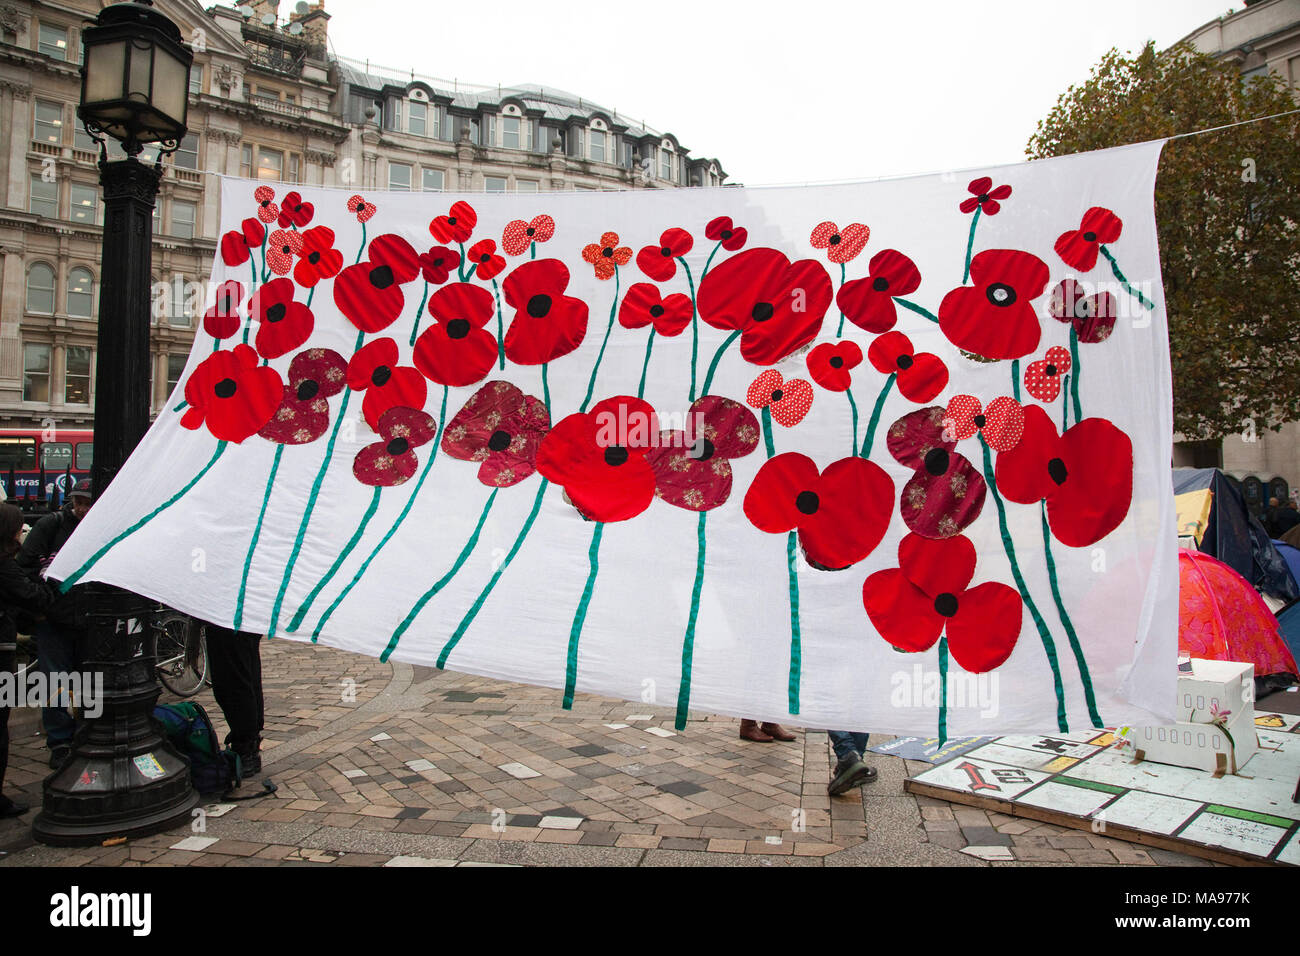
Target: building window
[49,123]
[187,153]
[175,369]
[54,42]
[666,164]
[526,185]
[40,289]
[494,184]
[36,373]
[576,144]
[489,128]
[76,376]
[85,455]
[157,217]
[393,114]
[81,293]
[179,314]
[82,140]
[45,198]
[399,176]
[246,161]
[417,120]
[431,180]
[56,455]
[295,168]
[597,145]
[85,204]
[196,79]
[184,218]
[270,164]
[512,133]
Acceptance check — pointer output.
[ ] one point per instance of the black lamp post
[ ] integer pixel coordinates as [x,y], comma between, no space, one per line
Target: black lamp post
[123,778]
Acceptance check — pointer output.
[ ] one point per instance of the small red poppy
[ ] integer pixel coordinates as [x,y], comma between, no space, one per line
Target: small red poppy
[267,210]
[606,256]
[1093,316]
[789,401]
[829,364]
[318,259]
[295,211]
[721,230]
[281,249]
[946,494]
[693,466]
[375,371]
[361,209]
[841,245]
[660,262]
[283,324]
[392,460]
[370,293]
[1043,378]
[1078,248]
[921,376]
[456,349]
[237,245]
[315,375]
[437,263]
[502,428]
[869,302]
[519,235]
[995,318]
[483,256]
[223,320]
[1002,423]
[457,226]
[985,197]
[231,394]
[547,323]
[643,306]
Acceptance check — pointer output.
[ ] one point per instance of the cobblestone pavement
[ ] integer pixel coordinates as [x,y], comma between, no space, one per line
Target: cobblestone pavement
[426,767]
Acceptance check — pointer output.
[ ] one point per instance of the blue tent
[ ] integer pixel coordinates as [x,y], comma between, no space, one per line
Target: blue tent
[1290,555]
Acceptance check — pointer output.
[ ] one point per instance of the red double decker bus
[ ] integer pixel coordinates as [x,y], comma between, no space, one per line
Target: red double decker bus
[39,466]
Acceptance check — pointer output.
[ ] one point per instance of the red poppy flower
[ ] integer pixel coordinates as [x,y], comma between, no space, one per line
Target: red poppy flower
[519,235]
[869,303]
[222,320]
[232,394]
[315,375]
[502,428]
[281,249]
[437,263]
[237,245]
[643,305]
[1043,378]
[693,466]
[295,211]
[600,458]
[721,230]
[913,605]
[1078,248]
[996,318]
[483,255]
[660,262]
[360,208]
[457,226]
[547,323]
[789,401]
[318,257]
[283,324]
[392,460]
[1085,475]
[841,513]
[947,492]
[776,305]
[606,257]
[375,371]
[921,376]
[829,364]
[1093,316]
[456,350]
[985,197]
[369,293]
[841,245]
[267,210]
[1001,424]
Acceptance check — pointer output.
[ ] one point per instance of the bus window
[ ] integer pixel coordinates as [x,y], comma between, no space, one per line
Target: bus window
[56,455]
[85,455]
[17,452]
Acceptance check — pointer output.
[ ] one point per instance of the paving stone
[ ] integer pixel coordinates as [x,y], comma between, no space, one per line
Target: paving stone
[988,836]
[998,852]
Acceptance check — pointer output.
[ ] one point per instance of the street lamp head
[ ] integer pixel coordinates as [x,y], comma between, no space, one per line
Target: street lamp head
[135,77]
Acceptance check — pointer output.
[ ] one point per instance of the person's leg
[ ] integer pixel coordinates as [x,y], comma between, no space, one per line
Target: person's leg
[234,660]
[844,744]
[850,771]
[56,650]
[8,808]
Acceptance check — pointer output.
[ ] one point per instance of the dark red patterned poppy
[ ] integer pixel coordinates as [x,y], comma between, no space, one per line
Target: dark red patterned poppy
[457,226]
[375,371]
[502,428]
[437,263]
[456,349]
[996,318]
[1002,423]
[913,605]
[295,211]
[721,230]
[789,401]
[267,210]
[693,466]
[237,245]
[600,458]
[1085,475]
[921,376]
[869,302]
[1093,316]
[660,262]
[643,305]
[606,256]
[483,256]
[776,305]
[841,513]
[547,323]
[281,248]
[1043,378]
[318,259]
[985,197]
[360,208]
[222,320]
[370,293]
[231,394]
[392,460]
[519,235]
[1078,248]
[947,492]
[829,364]
[283,324]
[841,245]
[315,375]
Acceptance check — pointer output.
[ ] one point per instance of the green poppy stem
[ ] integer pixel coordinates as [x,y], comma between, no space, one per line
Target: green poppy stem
[695,325]
[1114,267]
[688,642]
[717,357]
[854,407]
[943,691]
[546,388]
[839,333]
[257,533]
[970,244]
[1065,402]
[1076,367]
[361,250]
[580,617]
[645,366]
[875,416]
[419,313]
[613,309]
[1015,379]
[766,415]
[338,563]
[796,650]
[1084,675]
[501,329]
[916,308]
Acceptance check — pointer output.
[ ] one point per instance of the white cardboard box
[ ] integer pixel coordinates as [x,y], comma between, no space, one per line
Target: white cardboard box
[1222,685]
[1201,746]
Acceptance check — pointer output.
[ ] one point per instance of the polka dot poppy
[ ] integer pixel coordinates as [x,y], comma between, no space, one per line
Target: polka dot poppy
[1092,316]
[457,226]
[315,375]
[483,256]
[869,302]
[789,401]
[1043,378]
[946,493]
[841,245]
[267,209]
[606,256]
[281,248]
[660,262]
[643,305]
[437,263]
[237,245]
[392,460]
[1078,248]
[222,320]
[231,394]
[370,293]
[295,211]
[519,235]
[1001,424]
[692,466]
[361,209]
[830,364]
[282,324]
[374,370]
[996,318]
[456,349]
[921,376]
[502,428]
[984,196]
[722,230]
[317,257]
[547,323]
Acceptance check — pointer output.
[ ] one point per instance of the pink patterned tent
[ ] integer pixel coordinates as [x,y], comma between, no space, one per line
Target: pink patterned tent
[1222,618]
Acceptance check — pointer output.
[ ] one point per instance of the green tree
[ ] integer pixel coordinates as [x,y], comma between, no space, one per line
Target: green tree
[1228,217]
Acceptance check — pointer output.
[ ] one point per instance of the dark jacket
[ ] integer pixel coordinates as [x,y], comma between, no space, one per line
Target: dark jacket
[42,543]
[19,592]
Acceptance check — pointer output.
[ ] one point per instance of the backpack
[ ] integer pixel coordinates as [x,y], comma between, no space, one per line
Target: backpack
[213,769]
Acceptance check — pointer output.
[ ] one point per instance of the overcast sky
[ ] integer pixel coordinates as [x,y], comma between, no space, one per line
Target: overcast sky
[783,92]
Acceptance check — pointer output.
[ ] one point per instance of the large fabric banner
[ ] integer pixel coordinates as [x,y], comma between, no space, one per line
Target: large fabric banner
[890,456]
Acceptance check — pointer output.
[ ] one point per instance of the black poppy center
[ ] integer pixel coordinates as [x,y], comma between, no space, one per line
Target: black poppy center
[1089,237]
[615,455]
[980,421]
[1050,370]
[437,263]
[486,257]
[704,450]
[607,252]
[726,234]
[381,375]
[225,388]
[762,311]
[1001,294]
[936,461]
[1056,468]
[265,203]
[398,446]
[982,198]
[807,502]
[666,252]
[538,306]
[880,284]
[529,231]
[1083,309]
[656,310]
[777,395]
[451,220]
[836,362]
[381,277]
[499,441]
[458,328]
[286,250]
[276,312]
[834,240]
[905,362]
[313,258]
[946,604]
[307,390]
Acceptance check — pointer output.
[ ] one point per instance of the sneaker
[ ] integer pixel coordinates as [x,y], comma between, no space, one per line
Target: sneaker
[59,755]
[9,808]
[250,763]
[848,774]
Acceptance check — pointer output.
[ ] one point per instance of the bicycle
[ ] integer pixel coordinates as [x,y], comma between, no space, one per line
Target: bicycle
[179,646]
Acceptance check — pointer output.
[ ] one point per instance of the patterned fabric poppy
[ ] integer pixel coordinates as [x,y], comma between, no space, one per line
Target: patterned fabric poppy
[392,460]
[789,401]
[921,376]
[457,226]
[318,259]
[281,249]
[644,306]
[996,318]
[456,349]
[295,211]
[315,375]
[1093,316]
[222,320]
[360,208]
[606,256]
[693,466]
[912,606]
[502,428]
[283,324]
[721,230]
[841,245]
[437,263]
[231,394]
[375,371]
[267,210]
[600,458]
[985,197]
[370,293]
[1002,424]
[660,262]
[483,256]
[237,245]
[841,513]
[547,323]
[830,363]
[869,302]
[1043,378]
[519,235]
[756,294]
[947,492]
[1078,248]
[1085,475]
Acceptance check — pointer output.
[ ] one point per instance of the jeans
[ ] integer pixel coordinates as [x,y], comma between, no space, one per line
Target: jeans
[58,650]
[235,663]
[847,744]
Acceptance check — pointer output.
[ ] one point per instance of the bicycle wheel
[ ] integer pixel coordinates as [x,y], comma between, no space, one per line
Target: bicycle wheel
[181,653]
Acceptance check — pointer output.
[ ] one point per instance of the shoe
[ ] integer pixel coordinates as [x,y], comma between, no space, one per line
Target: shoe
[250,764]
[59,755]
[10,809]
[848,774]
[749,730]
[777,732]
